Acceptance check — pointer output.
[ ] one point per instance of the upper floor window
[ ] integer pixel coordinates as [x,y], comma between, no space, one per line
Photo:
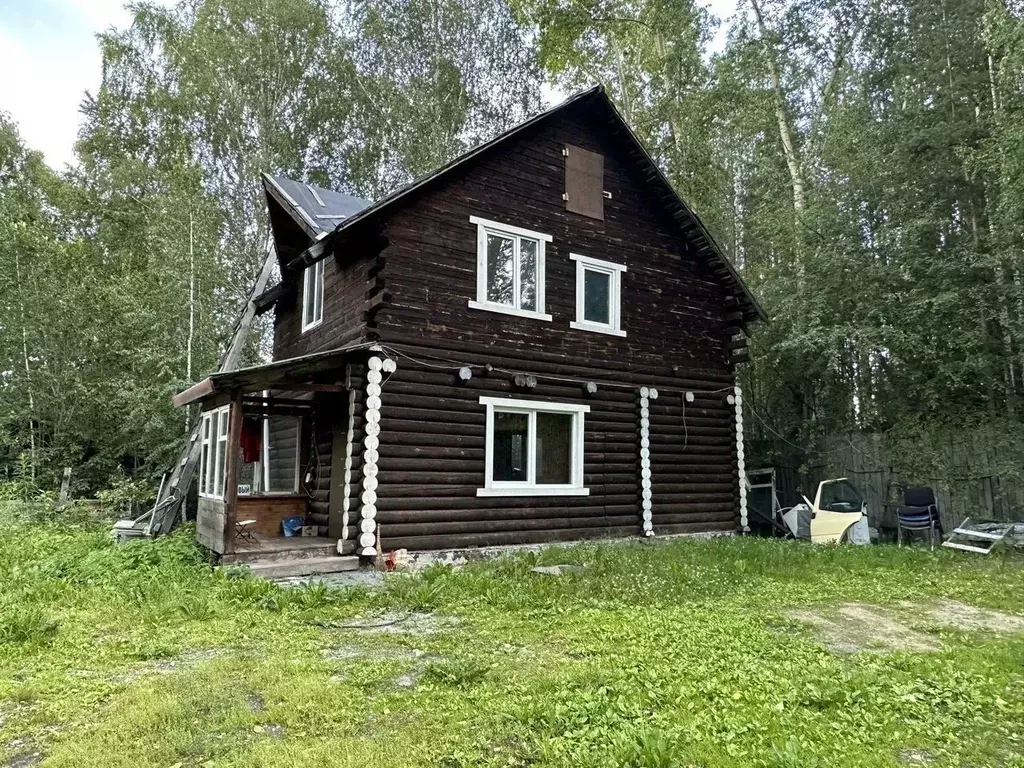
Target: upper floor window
[598,295]
[509,269]
[313,295]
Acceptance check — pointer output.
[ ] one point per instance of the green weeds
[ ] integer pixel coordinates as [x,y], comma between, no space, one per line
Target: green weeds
[665,654]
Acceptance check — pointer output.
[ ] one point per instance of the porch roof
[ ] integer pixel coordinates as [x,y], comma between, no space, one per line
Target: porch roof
[316,372]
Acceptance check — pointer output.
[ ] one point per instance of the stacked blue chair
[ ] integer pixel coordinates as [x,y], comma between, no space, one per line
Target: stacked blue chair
[920,512]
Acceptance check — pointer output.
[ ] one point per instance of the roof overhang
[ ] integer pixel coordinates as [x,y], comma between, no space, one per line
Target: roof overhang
[318,372]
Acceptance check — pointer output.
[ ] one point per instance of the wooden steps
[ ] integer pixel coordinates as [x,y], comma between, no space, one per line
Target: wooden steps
[304,566]
[278,557]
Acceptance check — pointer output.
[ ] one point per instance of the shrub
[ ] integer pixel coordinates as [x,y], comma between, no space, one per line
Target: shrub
[26,625]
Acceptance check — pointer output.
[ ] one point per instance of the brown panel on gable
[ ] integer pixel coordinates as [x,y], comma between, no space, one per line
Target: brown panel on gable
[584,182]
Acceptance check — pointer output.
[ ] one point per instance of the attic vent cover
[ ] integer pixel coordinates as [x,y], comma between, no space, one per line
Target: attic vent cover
[584,182]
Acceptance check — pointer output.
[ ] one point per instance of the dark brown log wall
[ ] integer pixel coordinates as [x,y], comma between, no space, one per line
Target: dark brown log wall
[432,458]
[678,339]
[432,463]
[345,289]
[315,477]
[693,477]
[673,309]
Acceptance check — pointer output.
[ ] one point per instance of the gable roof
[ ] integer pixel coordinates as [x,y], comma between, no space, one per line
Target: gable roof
[315,209]
[596,98]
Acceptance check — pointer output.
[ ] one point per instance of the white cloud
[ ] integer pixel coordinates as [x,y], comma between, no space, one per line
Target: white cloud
[49,56]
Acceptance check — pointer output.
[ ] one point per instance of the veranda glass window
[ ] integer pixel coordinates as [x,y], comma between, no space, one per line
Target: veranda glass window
[267,466]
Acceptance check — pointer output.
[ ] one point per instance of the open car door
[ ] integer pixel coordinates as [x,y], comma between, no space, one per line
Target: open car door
[838,506]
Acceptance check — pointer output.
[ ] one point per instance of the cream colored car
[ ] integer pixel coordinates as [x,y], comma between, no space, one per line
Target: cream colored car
[837,514]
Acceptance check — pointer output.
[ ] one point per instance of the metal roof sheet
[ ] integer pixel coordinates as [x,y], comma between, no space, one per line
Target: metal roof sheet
[322,209]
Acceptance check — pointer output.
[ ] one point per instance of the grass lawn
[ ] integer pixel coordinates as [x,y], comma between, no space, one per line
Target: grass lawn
[676,653]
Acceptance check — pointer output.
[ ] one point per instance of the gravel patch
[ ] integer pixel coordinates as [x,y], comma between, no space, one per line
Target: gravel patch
[362,578]
[403,624]
[168,666]
[557,570]
[857,627]
[854,627]
[25,760]
[967,617]
[344,652]
[916,757]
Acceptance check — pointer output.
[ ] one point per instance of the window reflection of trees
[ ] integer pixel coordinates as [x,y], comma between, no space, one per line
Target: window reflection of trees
[500,269]
[528,274]
[505,265]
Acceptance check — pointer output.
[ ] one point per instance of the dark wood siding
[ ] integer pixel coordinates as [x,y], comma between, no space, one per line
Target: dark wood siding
[432,441]
[345,290]
[283,432]
[432,459]
[673,312]
[210,522]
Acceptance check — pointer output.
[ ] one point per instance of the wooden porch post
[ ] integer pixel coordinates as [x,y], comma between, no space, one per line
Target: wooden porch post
[231,471]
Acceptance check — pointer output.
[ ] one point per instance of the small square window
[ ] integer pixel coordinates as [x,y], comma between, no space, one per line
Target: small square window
[510,270]
[313,296]
[598,296]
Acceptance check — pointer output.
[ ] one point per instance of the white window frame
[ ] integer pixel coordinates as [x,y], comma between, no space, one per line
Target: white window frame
[206,430]
[212,481]
[529,487]
[485,227]
[614,272]
[313,279]
[265,460]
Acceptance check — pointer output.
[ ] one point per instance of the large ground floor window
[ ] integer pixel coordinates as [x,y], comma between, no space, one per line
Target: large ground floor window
[268,454]
[533,448]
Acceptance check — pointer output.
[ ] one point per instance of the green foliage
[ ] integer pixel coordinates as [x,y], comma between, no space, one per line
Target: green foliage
[455,673]
[671,654]
[163,224]
[126,494]
[26,625]
[893,279]
[648,749]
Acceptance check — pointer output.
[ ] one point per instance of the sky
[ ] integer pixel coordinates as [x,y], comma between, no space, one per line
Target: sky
[49,58]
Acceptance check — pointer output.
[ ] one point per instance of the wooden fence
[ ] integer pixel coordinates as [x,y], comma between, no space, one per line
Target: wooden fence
[971,478]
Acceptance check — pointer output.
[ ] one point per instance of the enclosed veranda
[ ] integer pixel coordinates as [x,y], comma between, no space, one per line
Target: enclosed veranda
[268,457]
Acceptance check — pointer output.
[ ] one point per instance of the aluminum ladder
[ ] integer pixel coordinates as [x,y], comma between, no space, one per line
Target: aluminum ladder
[981,537]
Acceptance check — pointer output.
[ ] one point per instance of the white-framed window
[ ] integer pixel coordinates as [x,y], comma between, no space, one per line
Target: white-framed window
[533,448]
[313,296]
[206,432]
[276,471]
[598,295]
[214,454]
[509,269]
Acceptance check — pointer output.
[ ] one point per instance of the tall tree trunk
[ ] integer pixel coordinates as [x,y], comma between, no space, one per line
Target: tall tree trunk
[191,306]
[786,133]
[28,369]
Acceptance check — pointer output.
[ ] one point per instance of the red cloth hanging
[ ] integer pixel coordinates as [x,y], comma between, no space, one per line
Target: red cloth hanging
[251,440]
